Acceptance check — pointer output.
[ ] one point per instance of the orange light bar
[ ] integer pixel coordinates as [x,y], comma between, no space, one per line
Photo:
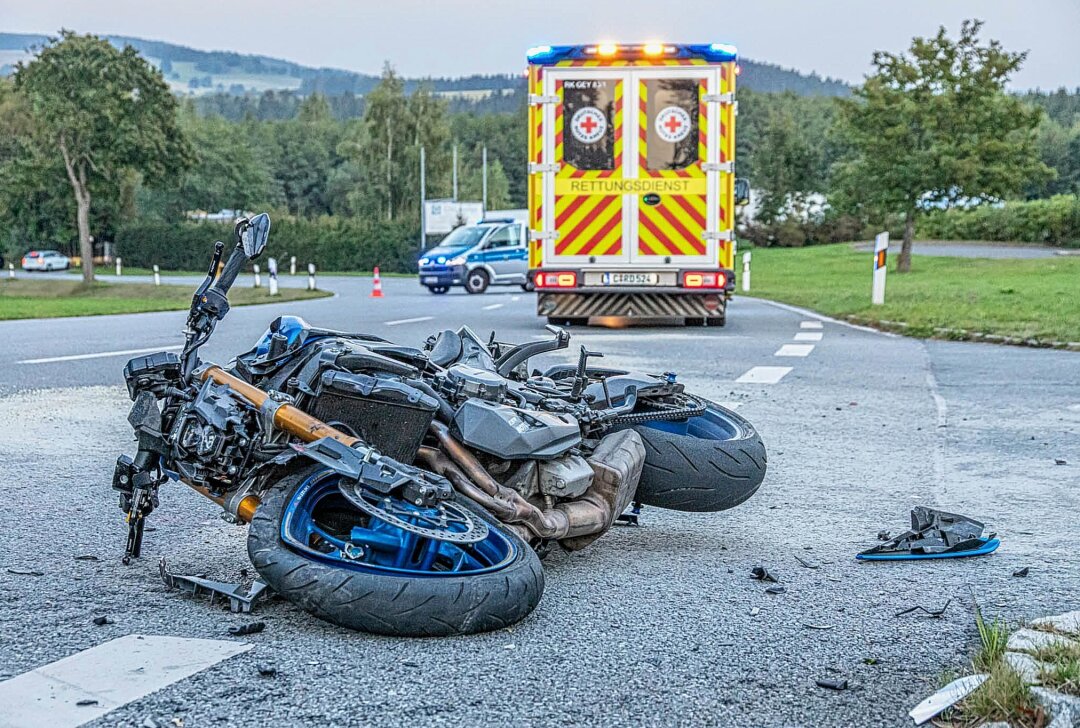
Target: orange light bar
[653,49]
[704,279]
[607,49]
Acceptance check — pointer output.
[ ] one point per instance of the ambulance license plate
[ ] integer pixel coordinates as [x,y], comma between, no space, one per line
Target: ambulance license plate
[630,279]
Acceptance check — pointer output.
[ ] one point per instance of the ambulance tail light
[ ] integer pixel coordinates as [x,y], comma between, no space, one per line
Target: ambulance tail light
[704,279]
[560,279]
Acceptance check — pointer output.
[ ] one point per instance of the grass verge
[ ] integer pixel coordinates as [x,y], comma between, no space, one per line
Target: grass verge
[21,298]
[1032,300]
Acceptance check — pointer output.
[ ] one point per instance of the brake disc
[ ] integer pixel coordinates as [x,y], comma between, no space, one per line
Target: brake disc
[446,521]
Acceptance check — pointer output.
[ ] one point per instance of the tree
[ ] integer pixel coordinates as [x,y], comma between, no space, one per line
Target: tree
[106,114]
[933,127]
[784,166]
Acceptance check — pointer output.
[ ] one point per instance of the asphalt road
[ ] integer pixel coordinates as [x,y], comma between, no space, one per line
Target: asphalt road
[657,625]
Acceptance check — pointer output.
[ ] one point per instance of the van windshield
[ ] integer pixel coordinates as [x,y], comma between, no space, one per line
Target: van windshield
[464,237]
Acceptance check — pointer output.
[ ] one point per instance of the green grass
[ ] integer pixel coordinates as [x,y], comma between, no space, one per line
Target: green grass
[1019,298]
[22,298]
[993,637]
[1062,671]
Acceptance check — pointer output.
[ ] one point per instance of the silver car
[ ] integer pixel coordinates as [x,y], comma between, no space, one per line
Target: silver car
[45,260]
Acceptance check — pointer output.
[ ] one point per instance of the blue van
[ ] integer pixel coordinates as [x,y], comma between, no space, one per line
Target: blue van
[490,253]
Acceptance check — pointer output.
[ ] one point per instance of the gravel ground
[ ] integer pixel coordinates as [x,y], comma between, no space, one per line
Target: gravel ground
[658,625]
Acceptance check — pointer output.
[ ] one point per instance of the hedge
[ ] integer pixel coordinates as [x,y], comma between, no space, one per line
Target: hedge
[331,243]
[1055,221]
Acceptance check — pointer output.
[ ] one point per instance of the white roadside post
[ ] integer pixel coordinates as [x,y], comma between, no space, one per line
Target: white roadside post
[258,278]
[746,271]
[11,270]
[881,247]
[311,276]
[157,275]
[271,268]
[119,266]
[292,266]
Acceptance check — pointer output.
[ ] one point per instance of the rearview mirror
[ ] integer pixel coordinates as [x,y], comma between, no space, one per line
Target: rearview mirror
[254,234]
[742,192]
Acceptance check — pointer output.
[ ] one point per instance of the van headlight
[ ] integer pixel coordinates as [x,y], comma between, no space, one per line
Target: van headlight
[460,260]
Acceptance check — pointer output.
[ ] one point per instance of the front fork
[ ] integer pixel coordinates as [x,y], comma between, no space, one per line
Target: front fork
[137,481]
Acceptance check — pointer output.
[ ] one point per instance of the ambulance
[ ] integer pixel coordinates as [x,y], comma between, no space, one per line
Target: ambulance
[631,185]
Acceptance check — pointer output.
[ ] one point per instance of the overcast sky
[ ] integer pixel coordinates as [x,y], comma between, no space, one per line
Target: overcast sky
[458,37]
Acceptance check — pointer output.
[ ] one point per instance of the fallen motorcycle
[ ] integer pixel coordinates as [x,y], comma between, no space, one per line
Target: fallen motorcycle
[409,491]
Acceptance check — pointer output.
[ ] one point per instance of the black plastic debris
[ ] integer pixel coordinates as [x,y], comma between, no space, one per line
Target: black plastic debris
[240,599]
[934,534]
[102,621]
[87,557]
[1060,461]
[267,671]
[249,628]
[84,703]
[929,612]
[762,574]
[832,683]
[775,589]
[805,563]
[1022,572]
[883,535]
[25,572]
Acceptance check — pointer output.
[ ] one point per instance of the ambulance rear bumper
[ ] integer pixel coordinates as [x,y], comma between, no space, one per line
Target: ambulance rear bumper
[648,303]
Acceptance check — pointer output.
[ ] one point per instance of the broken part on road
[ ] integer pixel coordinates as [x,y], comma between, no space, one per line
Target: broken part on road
[947,697]
[934,535]
[240,600]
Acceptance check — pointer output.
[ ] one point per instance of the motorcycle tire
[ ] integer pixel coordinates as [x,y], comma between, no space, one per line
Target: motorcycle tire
[708,463]
[392,604]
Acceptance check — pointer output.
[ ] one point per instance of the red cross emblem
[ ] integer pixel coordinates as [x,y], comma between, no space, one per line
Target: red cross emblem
[588,124]
[673,124]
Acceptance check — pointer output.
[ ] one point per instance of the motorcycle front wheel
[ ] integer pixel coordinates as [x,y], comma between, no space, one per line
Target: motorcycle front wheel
[319,551]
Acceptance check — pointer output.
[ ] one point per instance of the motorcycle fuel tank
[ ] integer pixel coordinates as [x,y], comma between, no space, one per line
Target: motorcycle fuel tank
[515,434]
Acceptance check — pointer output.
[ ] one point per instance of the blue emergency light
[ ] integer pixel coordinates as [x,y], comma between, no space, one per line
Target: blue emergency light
[547,55]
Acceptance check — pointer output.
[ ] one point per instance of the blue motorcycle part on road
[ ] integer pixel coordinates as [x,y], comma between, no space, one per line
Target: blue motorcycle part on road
[320,523]
[986,546]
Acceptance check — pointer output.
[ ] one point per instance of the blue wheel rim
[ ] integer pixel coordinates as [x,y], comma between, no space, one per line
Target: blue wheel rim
[320,523]
[712,425]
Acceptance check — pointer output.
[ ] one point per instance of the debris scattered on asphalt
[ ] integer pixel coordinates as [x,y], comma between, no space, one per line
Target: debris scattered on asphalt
[817,626]
[240,600]
[931,612]
[870,660]
[762,574]
[410,663]
[946,697]
[834,578]
[266,671]
[755,611]
[832,683]
[806,563]
[1060,461]
[883,535]
[102,621]
[1022,572]
[777,589]
[934,534]
[249,628]
[84,703]
[24,572]
[87,557]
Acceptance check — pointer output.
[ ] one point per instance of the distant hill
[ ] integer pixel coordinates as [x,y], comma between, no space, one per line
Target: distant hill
[198,73]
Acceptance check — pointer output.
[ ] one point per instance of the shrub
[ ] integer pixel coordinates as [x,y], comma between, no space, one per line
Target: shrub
[1054,221]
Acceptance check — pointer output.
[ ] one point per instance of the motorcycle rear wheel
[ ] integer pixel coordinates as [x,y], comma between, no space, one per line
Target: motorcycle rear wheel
[708,463]
[501,585]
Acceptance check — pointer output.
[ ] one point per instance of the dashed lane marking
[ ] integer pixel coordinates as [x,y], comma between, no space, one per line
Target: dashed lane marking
[808,336]
[94,682]
[493,306]
[416,320]
[99,355]
[764,375]
[810,325]
[794,350]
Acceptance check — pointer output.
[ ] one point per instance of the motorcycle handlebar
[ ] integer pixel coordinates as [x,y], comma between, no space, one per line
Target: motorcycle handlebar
[232,268]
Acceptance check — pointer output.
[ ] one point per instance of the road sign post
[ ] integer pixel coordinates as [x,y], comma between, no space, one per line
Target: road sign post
[292,265]
[881,247]
[119,266]
[746,271]
[258,278]
[271,269]
[11,270]
[157,275]
[311,276]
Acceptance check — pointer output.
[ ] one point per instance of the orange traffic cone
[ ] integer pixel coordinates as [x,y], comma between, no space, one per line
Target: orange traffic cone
[376,290]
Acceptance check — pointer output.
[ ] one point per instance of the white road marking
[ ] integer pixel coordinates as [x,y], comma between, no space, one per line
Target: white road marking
[515,298]
[794,350]
[810,325]
[99,355]
[821,317]
[416,320]
[764,375]
[111,675]
[809,336]
[493,306]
